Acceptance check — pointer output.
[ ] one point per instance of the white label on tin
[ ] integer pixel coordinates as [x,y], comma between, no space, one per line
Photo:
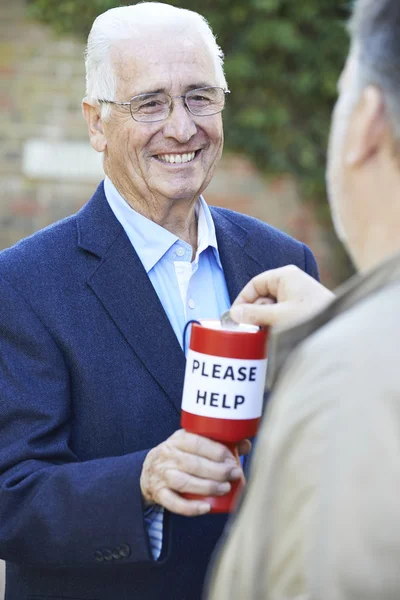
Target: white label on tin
[223,388]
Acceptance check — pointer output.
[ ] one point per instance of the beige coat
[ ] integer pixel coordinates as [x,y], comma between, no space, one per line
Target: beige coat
[321,516]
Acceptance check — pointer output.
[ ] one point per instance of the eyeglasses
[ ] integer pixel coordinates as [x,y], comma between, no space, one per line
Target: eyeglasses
[150,108]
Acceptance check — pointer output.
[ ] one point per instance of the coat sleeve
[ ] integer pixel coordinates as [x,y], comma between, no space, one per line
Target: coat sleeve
[320,517]
[310,264]
[55,509]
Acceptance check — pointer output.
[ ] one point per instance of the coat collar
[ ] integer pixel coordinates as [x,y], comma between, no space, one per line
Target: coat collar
[239,261]
[97,227]
[283,342]
[123,287]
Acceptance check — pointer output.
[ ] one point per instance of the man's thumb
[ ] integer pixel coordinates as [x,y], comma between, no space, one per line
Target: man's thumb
[255,314]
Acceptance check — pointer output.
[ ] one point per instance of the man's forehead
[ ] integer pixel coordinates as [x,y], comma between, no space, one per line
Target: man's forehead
[159,46]
[154,61]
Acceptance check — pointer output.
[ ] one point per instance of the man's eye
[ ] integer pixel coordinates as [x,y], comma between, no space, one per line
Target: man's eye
[200,99]
[151,104]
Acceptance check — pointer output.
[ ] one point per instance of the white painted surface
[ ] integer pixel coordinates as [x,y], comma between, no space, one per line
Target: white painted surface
[223,388]
[45,159]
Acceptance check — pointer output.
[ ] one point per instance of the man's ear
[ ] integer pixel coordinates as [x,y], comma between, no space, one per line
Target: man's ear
[91,112]
[367,128]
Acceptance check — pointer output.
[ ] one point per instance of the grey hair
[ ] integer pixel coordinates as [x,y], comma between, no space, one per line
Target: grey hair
[375,33]
[126,22]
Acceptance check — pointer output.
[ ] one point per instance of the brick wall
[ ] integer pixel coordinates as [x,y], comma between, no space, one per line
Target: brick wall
[48,170]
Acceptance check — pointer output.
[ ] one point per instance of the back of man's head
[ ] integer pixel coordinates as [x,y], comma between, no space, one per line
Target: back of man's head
[375,33]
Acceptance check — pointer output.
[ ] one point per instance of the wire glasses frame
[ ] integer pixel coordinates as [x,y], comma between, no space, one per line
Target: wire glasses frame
[153,107]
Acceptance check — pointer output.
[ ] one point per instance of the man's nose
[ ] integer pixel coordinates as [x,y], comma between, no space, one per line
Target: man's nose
[180,124]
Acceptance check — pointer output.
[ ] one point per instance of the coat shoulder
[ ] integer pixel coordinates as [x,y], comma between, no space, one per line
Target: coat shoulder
[47,251]
[255,226]
[263,240]
[57,245]
[369,330]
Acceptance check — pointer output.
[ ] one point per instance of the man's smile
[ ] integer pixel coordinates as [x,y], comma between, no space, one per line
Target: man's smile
[177,158]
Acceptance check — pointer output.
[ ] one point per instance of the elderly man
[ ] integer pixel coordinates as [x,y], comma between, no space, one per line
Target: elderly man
[321,517]
[92,312]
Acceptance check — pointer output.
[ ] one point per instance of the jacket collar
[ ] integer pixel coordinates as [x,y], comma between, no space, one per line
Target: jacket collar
[97,227]
[238,255]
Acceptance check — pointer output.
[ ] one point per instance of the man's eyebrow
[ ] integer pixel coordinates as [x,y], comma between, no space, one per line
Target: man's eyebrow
[143,92]
[196,86]
[163,90]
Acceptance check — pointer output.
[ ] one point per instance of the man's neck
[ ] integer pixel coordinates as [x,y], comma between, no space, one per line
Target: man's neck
[375,253]
[176,216]
[374,223]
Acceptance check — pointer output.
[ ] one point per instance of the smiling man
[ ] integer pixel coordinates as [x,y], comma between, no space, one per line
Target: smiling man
[92,312]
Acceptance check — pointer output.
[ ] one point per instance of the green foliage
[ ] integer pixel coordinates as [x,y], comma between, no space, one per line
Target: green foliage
[283,58]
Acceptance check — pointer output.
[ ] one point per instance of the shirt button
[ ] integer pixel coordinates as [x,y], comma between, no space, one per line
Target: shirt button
[124,551]
[107,554]
[180,252]
[191,303]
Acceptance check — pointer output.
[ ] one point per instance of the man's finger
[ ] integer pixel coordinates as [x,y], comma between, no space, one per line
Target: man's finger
[202,446]
[176,504]
[257,314]
[203,467]
[264,285]
[244,447]
[184,483]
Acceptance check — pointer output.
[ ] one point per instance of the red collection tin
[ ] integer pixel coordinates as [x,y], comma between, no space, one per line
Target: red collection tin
[224,389]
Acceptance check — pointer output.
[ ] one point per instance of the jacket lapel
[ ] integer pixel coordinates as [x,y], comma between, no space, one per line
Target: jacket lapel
[237,260]
[121,284]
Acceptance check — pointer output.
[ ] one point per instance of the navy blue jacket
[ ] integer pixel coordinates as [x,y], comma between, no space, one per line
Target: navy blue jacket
[91,378]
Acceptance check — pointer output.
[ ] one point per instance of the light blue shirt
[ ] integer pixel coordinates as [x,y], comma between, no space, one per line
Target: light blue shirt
[187,290]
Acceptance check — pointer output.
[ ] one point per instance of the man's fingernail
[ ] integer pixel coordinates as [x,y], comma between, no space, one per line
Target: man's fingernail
[204,508]
[236,313]
[223,488]
[236,473]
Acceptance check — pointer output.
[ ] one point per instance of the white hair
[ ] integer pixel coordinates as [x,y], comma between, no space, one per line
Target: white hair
[126,22]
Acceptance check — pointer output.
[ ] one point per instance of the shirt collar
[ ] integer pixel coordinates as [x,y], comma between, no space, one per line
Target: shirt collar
[150,240]
[206,236]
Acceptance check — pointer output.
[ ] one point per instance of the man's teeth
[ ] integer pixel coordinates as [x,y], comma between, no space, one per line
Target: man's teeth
[177,158]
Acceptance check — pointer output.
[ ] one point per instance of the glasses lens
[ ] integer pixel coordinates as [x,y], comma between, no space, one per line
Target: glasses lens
[206,101]
[150,107]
